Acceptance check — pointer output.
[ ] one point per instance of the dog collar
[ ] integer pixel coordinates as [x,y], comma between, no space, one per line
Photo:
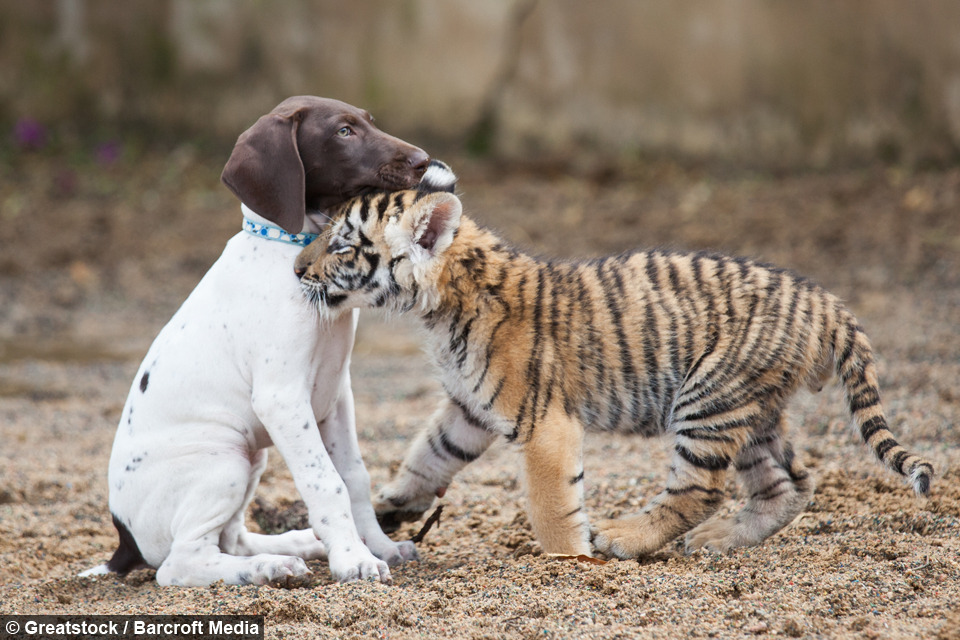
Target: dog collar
[270,232]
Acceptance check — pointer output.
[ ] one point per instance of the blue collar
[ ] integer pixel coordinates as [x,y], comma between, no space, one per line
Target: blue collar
[269,232]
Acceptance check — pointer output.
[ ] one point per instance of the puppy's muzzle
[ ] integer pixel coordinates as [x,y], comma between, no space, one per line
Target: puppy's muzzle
[406,172]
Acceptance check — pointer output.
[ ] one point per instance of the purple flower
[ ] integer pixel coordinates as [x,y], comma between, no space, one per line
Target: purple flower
[29,134]
[108,152]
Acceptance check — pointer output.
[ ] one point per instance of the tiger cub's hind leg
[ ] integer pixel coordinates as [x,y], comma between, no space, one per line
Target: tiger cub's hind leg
[778,487]
[695,490]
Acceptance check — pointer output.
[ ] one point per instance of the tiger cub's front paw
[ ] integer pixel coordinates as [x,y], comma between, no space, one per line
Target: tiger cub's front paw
[627,537]
[393,508]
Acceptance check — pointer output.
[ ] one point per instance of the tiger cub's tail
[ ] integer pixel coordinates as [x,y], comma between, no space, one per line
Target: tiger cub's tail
[853,362]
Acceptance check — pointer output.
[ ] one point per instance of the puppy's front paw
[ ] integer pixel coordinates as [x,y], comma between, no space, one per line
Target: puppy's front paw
[393,553]
[409,551]
[349,565]
[280,569]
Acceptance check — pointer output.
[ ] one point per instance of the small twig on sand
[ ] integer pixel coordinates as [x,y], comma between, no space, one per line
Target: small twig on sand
[434,519]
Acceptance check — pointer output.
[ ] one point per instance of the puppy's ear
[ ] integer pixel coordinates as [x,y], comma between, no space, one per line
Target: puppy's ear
[266,173]
[430,224]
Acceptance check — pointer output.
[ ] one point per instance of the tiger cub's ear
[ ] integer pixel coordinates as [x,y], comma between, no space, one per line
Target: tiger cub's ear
[426,229]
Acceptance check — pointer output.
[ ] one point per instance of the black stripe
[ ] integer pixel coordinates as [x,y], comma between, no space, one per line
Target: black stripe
[865,399]
[723,426]
[569,390]
[382,205]
[373,260]
[735,362]
[717,407]
[760,495]
[710,463]
[651,332]
[468,416]
[414,472]
[669,377]
[704,434]
[574,512]
[592,376]
[577,478]
[771,496]
[364,240]
[335,299]
[398,201]
[749,465]
[766,439]
[872,426]
[521,300]
[456,451]
[883,447]
[496,393]
[785,338]
[614,403]
[691,488]
[433,447]
[461,342]
[364,208]
[844,355]
[899,459]
[682,518]
[535,362]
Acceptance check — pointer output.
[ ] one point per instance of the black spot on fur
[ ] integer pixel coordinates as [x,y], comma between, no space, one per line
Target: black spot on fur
[144,381]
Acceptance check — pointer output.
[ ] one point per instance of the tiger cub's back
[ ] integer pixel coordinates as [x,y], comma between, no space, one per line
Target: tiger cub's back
[620,339]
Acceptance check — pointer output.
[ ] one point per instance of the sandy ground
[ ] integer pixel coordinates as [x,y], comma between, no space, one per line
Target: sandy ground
[94,263]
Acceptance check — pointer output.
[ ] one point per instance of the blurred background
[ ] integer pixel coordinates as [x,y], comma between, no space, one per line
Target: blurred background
[822,135]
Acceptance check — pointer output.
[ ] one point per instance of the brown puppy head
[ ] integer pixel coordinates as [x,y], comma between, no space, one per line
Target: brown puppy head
[312,153]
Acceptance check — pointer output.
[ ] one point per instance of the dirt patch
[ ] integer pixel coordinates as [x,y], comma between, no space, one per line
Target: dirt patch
[92,275]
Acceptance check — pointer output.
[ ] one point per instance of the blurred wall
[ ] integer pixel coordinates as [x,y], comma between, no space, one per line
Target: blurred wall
[776,82]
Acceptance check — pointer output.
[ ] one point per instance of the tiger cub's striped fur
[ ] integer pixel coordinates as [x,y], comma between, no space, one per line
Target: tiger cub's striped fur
[704,348]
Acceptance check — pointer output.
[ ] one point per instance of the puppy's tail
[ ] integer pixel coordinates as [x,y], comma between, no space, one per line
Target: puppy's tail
[125,559]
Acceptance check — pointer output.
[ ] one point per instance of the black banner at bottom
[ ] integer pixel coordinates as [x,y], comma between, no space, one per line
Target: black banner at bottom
[146,627]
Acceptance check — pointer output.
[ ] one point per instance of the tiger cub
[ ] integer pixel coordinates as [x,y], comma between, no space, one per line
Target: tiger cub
[702,347]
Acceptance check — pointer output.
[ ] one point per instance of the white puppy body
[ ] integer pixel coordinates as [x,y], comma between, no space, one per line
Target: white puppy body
[242,365]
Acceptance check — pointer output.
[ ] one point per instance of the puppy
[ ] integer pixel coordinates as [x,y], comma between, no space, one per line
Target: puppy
[245,364]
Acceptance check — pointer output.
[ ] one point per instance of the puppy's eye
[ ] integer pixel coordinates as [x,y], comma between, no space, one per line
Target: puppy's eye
[344,132]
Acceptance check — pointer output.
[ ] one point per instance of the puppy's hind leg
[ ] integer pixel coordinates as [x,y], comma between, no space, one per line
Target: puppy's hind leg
[199,563]
[237,541]
[221,489]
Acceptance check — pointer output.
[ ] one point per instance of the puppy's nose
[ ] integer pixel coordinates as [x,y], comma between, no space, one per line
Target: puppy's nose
[418,161]
[299,271]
